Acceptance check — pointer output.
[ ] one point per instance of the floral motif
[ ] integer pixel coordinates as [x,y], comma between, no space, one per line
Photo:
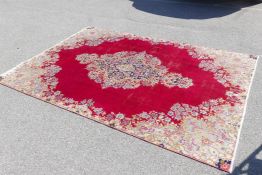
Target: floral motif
[129,70]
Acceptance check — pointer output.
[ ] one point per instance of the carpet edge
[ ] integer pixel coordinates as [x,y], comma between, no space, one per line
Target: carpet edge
[243,115]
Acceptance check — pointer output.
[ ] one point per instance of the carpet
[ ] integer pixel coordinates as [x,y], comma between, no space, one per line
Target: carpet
[187,99]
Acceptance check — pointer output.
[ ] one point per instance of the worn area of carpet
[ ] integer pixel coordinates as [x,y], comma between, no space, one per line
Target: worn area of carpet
[187,99]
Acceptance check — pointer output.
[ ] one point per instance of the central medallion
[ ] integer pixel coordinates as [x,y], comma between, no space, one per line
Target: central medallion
[129,70]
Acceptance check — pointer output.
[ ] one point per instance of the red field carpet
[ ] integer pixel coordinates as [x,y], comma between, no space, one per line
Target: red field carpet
[190,100]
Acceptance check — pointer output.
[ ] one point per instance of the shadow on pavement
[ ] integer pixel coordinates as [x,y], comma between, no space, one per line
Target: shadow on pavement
[251,165]
[192,9]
